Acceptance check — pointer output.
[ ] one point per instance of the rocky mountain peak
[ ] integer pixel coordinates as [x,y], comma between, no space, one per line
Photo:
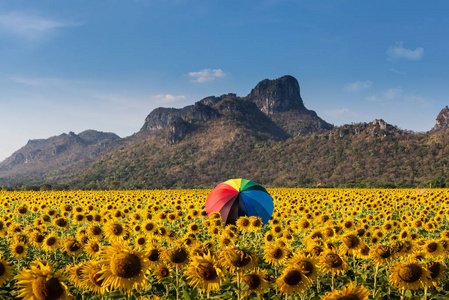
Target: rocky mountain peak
[278,95]
[442,120]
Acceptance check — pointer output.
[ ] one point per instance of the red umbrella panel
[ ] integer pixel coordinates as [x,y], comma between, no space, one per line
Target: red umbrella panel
[240,197]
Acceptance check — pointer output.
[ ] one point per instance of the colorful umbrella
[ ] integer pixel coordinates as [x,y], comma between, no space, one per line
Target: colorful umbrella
[239,197]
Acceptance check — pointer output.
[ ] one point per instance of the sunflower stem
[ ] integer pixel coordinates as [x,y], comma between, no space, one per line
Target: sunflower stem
[177,283]
[238,285]
[375,280]
[333,275]
[425,293]
[402,294]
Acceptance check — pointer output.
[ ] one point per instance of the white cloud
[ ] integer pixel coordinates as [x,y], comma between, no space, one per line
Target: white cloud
[397,71]
[206,75]
[30,27]
[389,95]
[397,95]
[397,51]
[358,86]
[339,113]
[167,98]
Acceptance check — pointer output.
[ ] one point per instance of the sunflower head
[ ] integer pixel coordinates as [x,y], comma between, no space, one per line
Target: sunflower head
[233,258]
[292,280]
[349,292]
[409,275]
[332,262]
[256,282]
[125,268]
[204,273]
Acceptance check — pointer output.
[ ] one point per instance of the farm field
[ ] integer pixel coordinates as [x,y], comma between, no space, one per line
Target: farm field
[160,244]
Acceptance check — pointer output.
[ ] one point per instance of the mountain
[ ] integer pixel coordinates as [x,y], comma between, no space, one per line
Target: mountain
[275,105]
[268,136]
[55,158]
[442,121]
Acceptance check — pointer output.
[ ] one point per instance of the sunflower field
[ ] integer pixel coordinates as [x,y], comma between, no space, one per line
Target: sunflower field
[346,244]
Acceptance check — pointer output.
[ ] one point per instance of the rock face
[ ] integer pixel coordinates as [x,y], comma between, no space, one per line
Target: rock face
[278,99]
[442,121]
[279,95]
[161,117]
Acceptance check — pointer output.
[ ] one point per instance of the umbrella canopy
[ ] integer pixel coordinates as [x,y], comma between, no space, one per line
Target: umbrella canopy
[240,197]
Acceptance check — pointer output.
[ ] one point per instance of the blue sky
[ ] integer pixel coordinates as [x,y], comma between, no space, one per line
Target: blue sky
[105,65]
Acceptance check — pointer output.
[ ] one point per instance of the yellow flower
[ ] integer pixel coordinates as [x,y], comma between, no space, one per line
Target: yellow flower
[5,270]
[274,254]
[256,282]
[232,258]
[348,292]
[203,273]
[18,249]
[332,262]
[437,272]
[292,281]
[41,282]
[93,277]
[124,268]
[307,264]
[409,275]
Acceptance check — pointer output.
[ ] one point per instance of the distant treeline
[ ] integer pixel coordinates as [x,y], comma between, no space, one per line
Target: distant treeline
[41,187]
[115,185]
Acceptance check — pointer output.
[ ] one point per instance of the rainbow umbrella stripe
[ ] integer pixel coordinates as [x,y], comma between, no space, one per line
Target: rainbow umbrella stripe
[240,197]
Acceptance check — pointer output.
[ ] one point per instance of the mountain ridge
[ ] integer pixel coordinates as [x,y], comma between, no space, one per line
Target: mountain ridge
[273,113]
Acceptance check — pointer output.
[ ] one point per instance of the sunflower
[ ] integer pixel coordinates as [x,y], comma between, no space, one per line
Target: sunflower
[304,224]
[243,223]
[349,292]
[363,252]
[61,223]
[72,246]
[404,247]
[94,231]
[348,224]
[409,275]
[41,282]
[5,270]
[115,232]
[177,257]
[256,223]
[154,257]
[432,248]
[193,227]
[292,281]
[18,249]
[203,273]
[268,237]
[437,272]
[256,282]
[93,248]
[162,272]
[332,262]
[37,238]
[316,234]
[124,268]
[140,241]
[382,254]
[51,242]
[306,263]
[75,274]
[233,258]
[274,254]
[350,243]
[93,279]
